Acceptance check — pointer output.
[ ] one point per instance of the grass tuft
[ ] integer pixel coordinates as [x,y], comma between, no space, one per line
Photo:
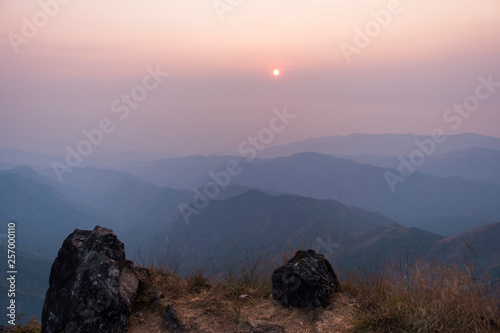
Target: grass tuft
[422,297]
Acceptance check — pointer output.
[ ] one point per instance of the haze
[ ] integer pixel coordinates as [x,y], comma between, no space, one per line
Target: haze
[221,89]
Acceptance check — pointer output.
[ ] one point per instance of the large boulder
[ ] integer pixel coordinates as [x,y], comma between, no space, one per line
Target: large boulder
[307,280]
[91,286]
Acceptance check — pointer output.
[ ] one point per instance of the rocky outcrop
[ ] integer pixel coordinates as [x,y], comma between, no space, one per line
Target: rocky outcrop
[92,285]
[307,280]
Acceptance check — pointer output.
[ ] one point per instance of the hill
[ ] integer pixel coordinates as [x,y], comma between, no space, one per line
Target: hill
[259,222]
[43,215]
[327,177]
[481,243]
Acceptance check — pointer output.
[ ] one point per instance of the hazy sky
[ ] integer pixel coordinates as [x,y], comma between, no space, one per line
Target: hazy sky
[65,77]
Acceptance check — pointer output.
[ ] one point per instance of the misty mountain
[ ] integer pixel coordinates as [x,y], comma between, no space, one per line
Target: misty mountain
[31,283]
[136,208]
[42,162]
[240,220]
[180,173]
[258,221]
[110,192]
[327,177]
[483,242]
[117,193]
[378,144]
[472,163]
[132,201]
[448,226]
[44,216]
[29,173]
[118,159]
[4,166]
[350,237]
[21,157]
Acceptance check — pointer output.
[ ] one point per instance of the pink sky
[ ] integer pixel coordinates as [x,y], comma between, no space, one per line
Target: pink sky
[221,88]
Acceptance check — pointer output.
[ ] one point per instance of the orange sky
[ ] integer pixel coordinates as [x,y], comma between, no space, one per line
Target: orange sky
[221,87]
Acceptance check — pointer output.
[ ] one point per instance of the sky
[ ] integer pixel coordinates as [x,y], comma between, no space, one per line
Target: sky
[66,64]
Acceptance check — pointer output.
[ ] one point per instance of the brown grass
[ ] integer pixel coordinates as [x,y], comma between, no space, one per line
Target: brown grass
[400,297]
[421,297]
[33,326]
[232,301]
[218,307]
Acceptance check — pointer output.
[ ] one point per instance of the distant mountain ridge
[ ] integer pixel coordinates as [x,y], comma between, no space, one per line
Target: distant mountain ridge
[43,215]
[473,163]
[256,220]
[248,219]
[180,173]
[40,161]
[378,144]
[481,243]
[448,226]
[327,177]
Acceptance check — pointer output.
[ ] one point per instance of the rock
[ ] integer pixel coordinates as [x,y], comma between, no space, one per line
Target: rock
[159,295]
[171,318]
[307,280]
[91,286]
[267,328]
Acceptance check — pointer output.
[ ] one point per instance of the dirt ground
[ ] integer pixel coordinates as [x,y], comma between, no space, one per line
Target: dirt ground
[206,312]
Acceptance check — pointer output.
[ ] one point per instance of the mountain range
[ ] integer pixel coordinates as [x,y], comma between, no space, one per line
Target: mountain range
[379,144]
[340,205]
[479,164]
[363,185]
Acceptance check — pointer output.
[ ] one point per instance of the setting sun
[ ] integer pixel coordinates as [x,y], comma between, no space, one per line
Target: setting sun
[276,72]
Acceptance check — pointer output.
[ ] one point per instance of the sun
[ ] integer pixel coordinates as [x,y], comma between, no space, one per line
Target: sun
[276,72]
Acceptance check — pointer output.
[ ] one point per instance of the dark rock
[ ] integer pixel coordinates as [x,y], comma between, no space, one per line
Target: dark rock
[171,318]
[91,286]
[159,295]
[307,280]
[267,328]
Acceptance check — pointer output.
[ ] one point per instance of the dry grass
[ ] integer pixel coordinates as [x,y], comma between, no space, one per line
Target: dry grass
[421,297]
[232,301]
[33,326]
[400,297]
[218,307]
